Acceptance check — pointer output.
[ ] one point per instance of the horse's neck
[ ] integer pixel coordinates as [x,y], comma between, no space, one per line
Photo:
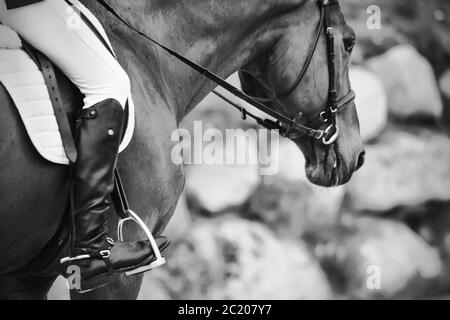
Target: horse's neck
[219,35]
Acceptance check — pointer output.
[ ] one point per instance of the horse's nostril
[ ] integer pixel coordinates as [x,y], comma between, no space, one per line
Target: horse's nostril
[361,159]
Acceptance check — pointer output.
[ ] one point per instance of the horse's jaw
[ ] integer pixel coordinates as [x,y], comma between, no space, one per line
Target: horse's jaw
[331,165]
[326,168]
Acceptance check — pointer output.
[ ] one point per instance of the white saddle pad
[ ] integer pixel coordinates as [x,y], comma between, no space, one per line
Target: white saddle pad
[25,83]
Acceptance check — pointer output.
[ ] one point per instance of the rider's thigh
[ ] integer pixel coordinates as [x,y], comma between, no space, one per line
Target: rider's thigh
[55,29]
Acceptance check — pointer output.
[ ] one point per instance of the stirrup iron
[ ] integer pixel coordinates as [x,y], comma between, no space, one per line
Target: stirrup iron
[126,215]
[133,217]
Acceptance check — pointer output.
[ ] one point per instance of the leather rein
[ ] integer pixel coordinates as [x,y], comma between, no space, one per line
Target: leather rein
[291,128]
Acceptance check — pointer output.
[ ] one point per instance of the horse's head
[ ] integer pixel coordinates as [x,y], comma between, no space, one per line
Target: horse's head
[331,158]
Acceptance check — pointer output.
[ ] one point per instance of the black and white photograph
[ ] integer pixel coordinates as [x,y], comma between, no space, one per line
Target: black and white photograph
[224,155]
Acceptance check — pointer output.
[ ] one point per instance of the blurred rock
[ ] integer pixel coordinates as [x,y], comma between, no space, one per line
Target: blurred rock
[409,81]
[444,84]
[214,188]
[374,42]
[152,288]
[227,176]
[59,290]
[422,23]
[383,259]
[291,162]
[181,220]
[231,258]
[371,102]
[288,203]
[432,222]
[403,169]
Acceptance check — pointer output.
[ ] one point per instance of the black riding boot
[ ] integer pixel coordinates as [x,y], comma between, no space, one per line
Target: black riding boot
[97,257]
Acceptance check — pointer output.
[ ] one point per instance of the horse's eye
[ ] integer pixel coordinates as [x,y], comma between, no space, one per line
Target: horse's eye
[349,44]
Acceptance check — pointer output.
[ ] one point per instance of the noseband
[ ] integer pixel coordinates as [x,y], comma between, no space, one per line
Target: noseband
[292,128]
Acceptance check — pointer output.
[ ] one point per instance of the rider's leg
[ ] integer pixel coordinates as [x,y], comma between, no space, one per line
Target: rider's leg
[54,28]
[85,60]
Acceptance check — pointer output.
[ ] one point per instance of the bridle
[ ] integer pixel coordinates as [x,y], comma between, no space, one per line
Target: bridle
[292,128]
[334,106]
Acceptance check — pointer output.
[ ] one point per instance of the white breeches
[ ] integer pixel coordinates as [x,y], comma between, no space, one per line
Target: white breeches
[55,29]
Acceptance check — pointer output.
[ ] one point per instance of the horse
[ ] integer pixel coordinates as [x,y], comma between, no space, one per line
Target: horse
[267,39]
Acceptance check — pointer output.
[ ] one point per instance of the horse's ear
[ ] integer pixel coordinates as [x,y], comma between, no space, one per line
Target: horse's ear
[250,85]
